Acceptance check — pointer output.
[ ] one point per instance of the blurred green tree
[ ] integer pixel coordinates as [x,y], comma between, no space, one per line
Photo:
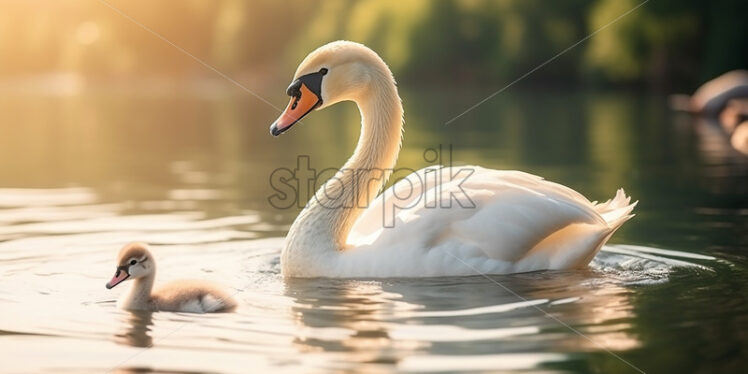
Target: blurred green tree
[665,44]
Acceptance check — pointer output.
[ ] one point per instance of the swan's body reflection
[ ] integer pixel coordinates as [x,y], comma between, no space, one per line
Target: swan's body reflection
[393,322]
[136,329]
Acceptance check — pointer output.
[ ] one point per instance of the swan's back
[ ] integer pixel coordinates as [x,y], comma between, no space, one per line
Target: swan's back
[490,222]
[192,296]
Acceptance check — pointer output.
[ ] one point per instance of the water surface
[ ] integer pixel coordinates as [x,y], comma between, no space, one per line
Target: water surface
[85,173]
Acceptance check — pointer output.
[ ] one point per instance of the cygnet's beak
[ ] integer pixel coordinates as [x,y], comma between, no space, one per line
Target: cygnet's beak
[305,95]
[118,277]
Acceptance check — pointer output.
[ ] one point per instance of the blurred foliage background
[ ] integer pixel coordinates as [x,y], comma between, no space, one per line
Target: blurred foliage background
[668,45]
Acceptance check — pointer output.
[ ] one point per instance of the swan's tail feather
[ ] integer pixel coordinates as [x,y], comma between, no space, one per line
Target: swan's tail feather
[617,210]
[575,245]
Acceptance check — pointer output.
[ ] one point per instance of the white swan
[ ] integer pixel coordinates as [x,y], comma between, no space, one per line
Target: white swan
[517,222]
[188,296]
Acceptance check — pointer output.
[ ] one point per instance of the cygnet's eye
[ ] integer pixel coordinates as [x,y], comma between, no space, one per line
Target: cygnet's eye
[133,262]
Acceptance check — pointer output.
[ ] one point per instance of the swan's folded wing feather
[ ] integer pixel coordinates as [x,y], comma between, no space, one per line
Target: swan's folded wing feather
[509,212]
[403,193]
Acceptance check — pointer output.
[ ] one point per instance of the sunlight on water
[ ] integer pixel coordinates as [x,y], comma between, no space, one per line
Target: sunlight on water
[207,218]
[52,291]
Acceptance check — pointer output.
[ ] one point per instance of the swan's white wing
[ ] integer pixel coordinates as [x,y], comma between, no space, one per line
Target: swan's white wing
[488,217]
[402,194]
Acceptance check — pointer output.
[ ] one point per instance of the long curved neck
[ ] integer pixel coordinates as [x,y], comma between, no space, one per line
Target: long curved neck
[139,296]
[323,226]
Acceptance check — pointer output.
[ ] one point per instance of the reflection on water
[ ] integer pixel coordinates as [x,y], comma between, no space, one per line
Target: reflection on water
[85,174]
[136,329]
[389,322]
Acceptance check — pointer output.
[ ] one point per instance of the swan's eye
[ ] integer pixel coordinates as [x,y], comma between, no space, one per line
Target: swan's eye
[323,71]
[294,90]
[133,262]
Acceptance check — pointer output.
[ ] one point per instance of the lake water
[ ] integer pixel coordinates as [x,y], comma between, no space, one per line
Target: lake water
[85,172]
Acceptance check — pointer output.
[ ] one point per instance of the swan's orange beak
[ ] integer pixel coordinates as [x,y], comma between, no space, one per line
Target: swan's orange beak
[306,95]
[297,108]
